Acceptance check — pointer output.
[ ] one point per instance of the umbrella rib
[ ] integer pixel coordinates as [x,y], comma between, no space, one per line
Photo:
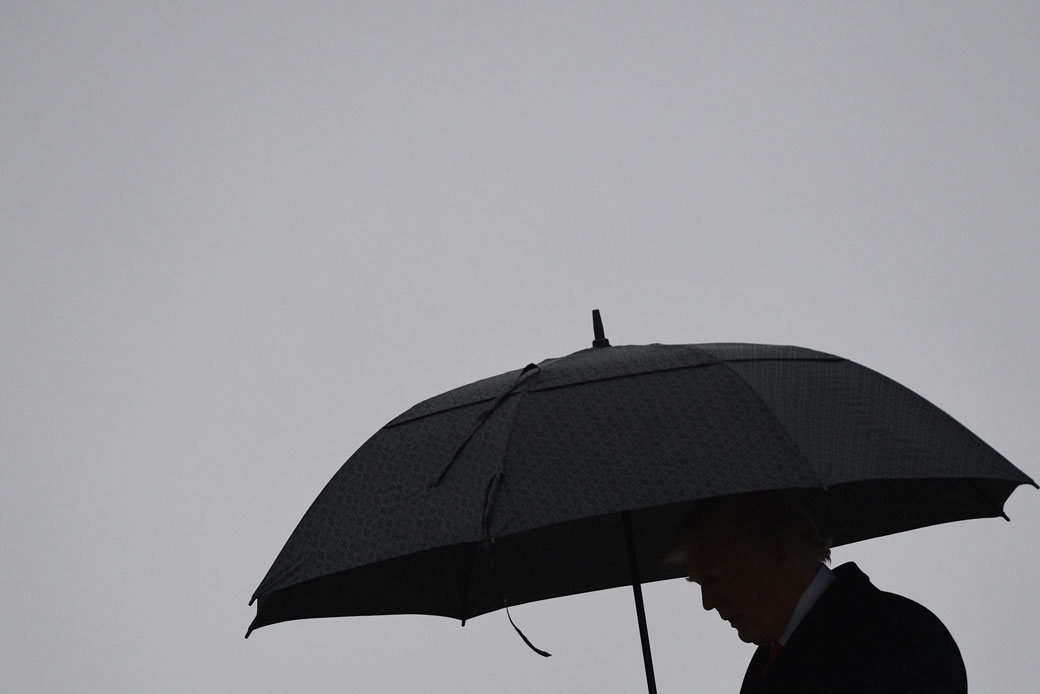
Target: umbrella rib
[490,494]
[514,390]
[481,418]
[814,473]
[998,507]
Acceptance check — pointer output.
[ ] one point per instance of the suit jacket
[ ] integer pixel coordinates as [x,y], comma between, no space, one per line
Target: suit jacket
[858,639]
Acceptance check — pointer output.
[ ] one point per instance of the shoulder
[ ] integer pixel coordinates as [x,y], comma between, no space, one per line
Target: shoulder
[860,601]
[895,637]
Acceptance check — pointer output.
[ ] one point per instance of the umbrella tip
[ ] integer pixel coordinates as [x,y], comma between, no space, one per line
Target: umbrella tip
[597,329]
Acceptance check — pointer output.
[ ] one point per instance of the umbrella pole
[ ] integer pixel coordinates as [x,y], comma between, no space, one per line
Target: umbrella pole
[637,591]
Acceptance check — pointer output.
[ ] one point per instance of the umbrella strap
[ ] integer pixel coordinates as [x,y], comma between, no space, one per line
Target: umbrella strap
[489,543]
[481,418]
[544,654]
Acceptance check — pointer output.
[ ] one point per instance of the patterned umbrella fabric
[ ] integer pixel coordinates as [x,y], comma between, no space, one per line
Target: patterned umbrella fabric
[518,487]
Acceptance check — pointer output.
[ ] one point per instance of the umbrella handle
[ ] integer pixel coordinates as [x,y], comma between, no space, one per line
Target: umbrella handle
[637,591]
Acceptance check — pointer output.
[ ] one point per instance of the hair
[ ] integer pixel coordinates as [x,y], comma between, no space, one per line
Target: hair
[762,517]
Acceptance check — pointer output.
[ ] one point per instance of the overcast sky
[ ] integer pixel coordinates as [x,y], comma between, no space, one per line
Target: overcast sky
[237,238]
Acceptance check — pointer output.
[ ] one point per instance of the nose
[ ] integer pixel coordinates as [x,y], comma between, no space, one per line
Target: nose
[707,598]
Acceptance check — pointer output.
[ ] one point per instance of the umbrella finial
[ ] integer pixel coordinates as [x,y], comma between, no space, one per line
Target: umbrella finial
[597,329]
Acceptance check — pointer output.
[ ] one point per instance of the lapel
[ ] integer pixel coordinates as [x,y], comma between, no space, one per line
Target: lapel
[808,657]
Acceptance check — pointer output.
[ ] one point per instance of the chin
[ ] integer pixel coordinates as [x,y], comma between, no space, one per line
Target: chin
[753,638]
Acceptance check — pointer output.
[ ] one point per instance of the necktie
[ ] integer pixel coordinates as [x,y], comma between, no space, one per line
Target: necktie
[774,650]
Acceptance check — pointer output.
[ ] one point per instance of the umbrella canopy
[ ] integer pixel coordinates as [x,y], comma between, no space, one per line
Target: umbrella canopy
[512,489]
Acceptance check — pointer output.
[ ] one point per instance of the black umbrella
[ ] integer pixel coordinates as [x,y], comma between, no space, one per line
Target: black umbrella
[572,475]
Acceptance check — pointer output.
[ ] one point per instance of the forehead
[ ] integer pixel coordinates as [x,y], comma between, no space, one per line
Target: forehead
[716,546]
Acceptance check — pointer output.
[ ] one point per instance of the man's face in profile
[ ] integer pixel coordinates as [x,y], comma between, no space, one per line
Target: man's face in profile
[742,580]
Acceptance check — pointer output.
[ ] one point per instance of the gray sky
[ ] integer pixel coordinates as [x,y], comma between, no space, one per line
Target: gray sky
[240,237]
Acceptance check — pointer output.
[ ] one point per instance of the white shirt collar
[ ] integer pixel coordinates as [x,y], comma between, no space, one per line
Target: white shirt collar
[821,582]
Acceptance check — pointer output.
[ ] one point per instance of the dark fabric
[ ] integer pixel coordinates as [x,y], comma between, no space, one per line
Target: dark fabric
[511,489]
[858,639]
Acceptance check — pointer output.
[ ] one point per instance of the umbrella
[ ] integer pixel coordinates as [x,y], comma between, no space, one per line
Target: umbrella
[572,475]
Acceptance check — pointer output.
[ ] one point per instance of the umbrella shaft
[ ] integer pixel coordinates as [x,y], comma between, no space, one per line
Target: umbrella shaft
[637,591]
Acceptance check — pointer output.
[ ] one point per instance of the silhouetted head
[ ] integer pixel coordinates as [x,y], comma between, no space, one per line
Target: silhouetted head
[753,557]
